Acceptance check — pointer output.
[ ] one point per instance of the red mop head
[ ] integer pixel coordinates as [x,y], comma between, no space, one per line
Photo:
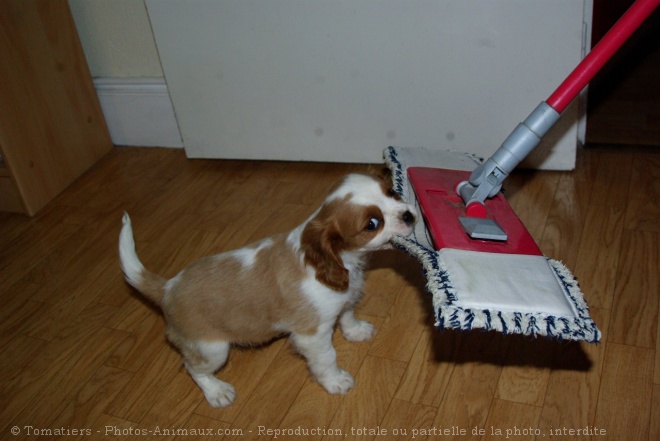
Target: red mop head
[442,208]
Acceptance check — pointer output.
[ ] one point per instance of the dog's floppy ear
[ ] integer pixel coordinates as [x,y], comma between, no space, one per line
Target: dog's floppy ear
[321,241]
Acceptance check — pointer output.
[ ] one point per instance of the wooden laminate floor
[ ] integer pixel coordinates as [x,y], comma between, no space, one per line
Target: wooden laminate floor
[83,357]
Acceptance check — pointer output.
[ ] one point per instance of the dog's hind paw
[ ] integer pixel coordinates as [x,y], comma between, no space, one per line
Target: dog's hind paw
[339,383]
[221,394]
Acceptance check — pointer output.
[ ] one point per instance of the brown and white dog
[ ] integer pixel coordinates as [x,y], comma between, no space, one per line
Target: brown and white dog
[298,283]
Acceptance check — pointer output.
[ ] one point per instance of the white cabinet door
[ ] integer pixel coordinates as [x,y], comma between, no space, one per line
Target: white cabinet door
[340,80]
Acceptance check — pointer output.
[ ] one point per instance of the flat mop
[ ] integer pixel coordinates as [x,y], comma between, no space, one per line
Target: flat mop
[483,268]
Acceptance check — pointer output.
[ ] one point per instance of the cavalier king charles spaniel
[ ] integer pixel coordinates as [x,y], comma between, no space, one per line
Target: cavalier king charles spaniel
[299,283]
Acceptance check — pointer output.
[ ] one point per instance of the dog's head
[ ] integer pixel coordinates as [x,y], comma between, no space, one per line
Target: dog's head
[361,214]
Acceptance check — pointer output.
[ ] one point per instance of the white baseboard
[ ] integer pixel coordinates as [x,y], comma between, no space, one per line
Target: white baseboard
[138,112]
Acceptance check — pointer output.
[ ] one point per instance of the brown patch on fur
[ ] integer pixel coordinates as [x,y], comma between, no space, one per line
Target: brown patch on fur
[217,298]
[152,286]
[388,189]
[339,226]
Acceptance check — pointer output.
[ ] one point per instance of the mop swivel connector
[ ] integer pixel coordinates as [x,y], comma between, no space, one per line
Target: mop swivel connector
[486,180]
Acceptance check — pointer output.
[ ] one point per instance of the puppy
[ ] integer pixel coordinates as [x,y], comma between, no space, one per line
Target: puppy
[298,284]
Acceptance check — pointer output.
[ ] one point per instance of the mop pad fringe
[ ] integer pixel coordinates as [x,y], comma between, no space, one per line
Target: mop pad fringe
[445,298]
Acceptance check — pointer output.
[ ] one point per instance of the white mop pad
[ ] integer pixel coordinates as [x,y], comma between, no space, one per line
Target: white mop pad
[512,294]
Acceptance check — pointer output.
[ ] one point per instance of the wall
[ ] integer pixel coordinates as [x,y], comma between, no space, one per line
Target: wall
[123,59]
[117,38]
[341,80]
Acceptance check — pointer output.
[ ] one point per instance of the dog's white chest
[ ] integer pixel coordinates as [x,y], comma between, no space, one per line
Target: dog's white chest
[327,302]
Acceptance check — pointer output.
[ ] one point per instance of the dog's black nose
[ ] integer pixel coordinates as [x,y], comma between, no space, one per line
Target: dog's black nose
[408,218]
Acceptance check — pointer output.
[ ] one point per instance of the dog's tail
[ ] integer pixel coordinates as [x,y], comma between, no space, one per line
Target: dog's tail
[151,285]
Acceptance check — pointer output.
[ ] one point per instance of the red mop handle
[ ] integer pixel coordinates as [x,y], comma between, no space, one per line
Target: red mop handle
[601,53]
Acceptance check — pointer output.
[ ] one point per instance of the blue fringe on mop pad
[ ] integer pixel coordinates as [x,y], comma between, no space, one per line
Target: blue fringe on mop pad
[512,294]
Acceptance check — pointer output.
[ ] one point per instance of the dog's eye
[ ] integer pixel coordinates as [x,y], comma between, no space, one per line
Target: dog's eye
[374,223]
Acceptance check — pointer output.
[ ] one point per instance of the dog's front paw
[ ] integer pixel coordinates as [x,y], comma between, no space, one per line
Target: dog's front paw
[359,330]
[338,383]
[221,394]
